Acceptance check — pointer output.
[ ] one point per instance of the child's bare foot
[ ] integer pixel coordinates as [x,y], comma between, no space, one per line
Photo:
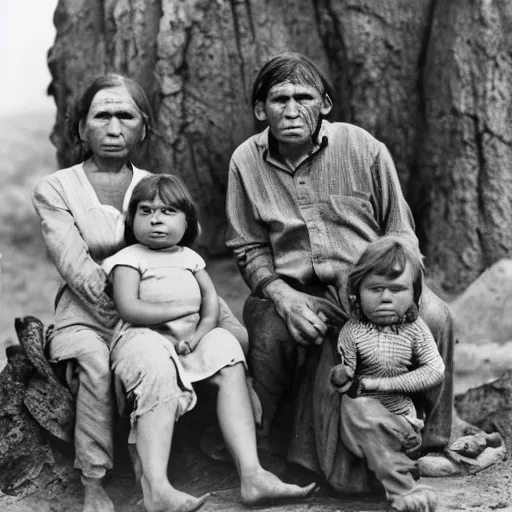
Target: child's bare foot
[168,499]
[421,499]
[262,487]
[95,497]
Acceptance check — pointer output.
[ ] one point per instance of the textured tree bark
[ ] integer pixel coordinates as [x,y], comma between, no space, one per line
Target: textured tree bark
[27,461]
[376,52]
[427,77]
[197,60]
[464,185]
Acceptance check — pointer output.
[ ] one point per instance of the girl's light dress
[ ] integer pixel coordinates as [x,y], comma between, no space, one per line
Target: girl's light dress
[166,276]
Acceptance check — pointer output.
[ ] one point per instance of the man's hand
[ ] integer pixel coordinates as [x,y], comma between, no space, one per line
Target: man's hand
[307,317]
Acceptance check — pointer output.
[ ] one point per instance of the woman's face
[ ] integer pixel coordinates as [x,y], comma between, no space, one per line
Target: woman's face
[114,124]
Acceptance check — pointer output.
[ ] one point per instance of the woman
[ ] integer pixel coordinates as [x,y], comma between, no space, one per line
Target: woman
[82,218]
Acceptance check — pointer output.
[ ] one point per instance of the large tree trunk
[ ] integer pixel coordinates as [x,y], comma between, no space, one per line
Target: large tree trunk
[197,60]
[464,187]
[429,78]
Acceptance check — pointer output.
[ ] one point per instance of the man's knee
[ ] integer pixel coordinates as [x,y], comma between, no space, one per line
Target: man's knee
[267,330]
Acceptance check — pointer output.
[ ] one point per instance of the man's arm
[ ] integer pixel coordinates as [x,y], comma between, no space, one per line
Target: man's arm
[249,239]
[394,212]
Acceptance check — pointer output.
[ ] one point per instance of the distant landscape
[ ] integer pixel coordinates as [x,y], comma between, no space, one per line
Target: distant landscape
[29,281]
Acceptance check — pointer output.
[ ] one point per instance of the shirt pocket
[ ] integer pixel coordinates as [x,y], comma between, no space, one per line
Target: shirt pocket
[354,212]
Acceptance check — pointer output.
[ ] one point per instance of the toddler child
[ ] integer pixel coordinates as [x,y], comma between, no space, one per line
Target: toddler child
[387,355]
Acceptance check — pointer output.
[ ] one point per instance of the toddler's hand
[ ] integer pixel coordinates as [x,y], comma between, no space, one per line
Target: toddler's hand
[341,377]
[183,348]
[356,389]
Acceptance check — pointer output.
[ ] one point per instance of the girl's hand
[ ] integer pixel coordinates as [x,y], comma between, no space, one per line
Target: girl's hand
[185,347]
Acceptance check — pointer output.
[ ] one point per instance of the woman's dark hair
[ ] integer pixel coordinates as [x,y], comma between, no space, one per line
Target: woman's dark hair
[290,67]
[173,193]
[387,256]
[82,106]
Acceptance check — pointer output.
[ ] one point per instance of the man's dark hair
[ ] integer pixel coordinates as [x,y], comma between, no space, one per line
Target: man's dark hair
[173,193]
[82,106]
[290,67]
[388,257]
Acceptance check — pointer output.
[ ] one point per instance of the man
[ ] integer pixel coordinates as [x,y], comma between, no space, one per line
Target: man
[305,197]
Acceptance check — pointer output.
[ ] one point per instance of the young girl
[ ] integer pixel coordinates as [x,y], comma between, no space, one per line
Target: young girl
[387,354]
[168,339]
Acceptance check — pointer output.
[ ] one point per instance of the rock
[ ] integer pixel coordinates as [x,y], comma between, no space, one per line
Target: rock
[489,407]
[482,312]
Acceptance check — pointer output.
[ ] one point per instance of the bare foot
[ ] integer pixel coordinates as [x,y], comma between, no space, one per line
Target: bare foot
[169,499]
[95,497]
[421,499]
[263,487]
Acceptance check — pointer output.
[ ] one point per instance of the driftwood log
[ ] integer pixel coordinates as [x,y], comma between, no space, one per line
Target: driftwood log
[27,457]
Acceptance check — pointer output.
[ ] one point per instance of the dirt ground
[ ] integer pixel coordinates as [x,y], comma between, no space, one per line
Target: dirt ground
[489,490]
[192,472]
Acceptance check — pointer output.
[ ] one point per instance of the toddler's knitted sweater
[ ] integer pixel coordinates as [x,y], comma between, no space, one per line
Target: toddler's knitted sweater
[407,359]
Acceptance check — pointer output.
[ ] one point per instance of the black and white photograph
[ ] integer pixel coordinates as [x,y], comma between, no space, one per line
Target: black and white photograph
[256,255]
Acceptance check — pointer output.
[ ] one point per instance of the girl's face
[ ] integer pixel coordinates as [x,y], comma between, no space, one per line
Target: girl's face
[157,225]
[385,300]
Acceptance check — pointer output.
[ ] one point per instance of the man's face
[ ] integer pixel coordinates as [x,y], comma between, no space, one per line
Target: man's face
[293,112]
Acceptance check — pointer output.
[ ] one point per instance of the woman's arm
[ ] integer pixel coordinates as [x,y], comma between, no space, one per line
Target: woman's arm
[126,281]
[209,310]
[70,253]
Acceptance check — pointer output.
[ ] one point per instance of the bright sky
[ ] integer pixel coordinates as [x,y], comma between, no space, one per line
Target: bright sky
[26,34]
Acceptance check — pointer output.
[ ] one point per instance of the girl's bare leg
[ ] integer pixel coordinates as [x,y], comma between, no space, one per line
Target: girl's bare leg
[237,425]
[154,437]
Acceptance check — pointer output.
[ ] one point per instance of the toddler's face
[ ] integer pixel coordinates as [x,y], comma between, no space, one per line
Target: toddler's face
[385,300]
[158,226]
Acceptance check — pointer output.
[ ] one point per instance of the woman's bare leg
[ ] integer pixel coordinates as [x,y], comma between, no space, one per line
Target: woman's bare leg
[154,437]
[237,425]
[95,497]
